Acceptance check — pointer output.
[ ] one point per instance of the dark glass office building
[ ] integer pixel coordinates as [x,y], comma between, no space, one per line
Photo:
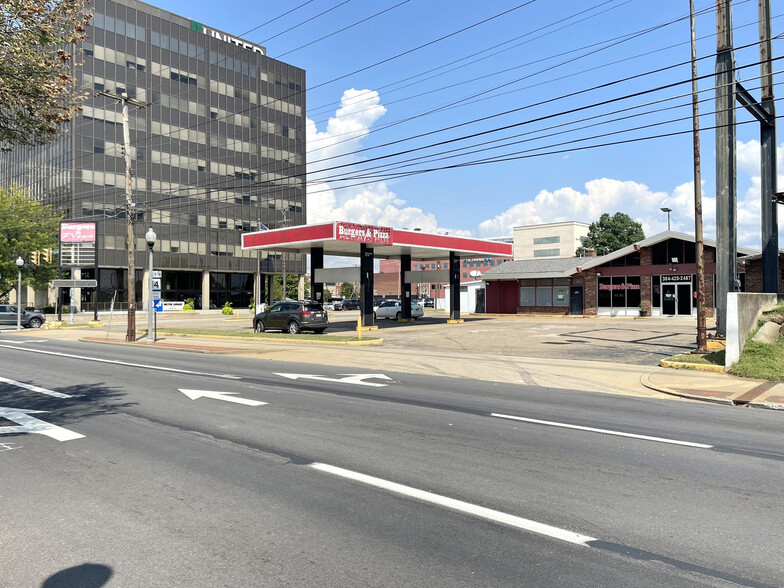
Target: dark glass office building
[219,150]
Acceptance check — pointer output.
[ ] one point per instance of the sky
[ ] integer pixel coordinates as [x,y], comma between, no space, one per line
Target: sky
[586,103]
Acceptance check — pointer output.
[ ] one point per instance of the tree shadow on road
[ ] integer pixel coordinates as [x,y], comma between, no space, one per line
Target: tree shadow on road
[86,400]
[87,575]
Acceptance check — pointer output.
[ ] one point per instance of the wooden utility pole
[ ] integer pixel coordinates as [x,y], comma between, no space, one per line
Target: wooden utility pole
[130,209]
[702,329]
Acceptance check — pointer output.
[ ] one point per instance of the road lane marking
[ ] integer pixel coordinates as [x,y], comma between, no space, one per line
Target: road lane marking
[358,379]
[29,424]
[126,363]
[459,505]
[194,394]
[35,388]
[603,431]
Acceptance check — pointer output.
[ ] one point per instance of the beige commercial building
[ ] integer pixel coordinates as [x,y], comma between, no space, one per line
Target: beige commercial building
[548,240]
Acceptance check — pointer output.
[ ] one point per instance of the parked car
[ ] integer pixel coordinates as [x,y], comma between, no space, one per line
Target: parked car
[430,303]
[293,317]
[329,306]
[31,319]
[393,309]
[347,304]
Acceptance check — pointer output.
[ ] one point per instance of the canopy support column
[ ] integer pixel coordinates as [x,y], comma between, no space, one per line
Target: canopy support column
[405,287]
[366,288]
[454,286]
[316,262]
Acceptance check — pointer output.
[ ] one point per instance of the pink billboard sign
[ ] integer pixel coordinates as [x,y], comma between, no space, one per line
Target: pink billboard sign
[363,233]
[77,232]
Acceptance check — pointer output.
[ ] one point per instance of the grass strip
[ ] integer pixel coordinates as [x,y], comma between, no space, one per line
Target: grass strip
[714,358]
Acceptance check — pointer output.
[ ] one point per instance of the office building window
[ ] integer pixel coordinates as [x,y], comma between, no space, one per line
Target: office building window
[547,252]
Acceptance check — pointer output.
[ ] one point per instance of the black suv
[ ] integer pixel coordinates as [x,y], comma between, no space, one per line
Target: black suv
[348,304]
[30,319]
[292,316]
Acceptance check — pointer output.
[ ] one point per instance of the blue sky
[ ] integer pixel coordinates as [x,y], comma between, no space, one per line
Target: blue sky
[539,60]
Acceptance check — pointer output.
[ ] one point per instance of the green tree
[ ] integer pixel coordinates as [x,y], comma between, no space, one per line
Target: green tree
[611,233]
[347,290]
[38,91]
[26,226]
[292,283]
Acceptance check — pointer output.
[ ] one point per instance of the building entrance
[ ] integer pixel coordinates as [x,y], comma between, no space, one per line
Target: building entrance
[676,299]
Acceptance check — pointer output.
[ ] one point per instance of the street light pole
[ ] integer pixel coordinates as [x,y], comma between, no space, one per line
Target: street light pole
[150,237]
[668,211]
[19,264]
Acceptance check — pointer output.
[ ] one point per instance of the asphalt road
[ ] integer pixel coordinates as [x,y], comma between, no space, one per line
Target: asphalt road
[371,480]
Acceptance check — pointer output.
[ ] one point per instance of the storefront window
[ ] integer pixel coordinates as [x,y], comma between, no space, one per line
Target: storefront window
[633,297]
[604,297]
[544,293]
[619,292]
[527,292]
[560,295]
[656,291]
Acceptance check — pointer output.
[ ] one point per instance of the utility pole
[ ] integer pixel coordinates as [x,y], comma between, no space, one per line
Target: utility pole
[702,329]
[130,209]
[765,112]
[726,196]
[285,223]
[770,229]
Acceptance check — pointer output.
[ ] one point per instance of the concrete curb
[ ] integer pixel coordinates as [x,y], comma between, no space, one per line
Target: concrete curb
[645,381]
[700,367]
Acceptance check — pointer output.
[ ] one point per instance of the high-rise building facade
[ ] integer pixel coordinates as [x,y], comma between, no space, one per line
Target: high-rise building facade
[219,150]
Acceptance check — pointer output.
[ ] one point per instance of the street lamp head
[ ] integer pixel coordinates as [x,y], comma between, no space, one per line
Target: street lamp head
[19,262]
[150,236]
[665,209]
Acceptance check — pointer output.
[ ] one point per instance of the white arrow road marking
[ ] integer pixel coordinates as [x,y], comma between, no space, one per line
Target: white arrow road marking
[30,424]
[603,431]
[35,388]
[358,379]
[459,505]
[194,394]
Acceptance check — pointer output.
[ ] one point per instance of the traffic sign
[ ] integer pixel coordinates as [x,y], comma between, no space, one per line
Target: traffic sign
[157,274]
[158,305]
[156,284]
[156,294]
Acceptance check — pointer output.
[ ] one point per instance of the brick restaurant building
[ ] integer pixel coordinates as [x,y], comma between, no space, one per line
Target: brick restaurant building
[657,274]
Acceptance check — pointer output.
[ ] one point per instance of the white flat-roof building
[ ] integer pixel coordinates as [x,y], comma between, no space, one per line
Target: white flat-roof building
[548,240]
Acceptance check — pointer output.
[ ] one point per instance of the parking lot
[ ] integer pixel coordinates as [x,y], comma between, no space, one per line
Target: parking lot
[617,339]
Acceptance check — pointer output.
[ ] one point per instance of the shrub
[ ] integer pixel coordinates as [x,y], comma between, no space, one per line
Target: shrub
[227,309]
[187,308]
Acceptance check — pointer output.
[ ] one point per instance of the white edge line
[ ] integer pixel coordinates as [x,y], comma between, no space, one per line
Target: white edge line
[603,431]
[35,388]
[118,362]
[459,505]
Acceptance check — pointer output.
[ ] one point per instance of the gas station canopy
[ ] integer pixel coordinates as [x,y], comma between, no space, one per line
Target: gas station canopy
[343,239]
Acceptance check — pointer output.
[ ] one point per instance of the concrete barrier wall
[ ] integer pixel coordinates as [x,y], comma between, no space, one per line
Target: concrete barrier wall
[743,310]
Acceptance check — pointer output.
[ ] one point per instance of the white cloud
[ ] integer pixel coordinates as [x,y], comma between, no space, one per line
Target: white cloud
[600,196]
[374,203]
[642,204]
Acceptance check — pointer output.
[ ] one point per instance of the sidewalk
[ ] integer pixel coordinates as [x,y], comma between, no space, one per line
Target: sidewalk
[589,376]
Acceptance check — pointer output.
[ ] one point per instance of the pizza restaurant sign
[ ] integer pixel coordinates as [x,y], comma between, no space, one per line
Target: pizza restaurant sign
[619,286]
[363,233]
